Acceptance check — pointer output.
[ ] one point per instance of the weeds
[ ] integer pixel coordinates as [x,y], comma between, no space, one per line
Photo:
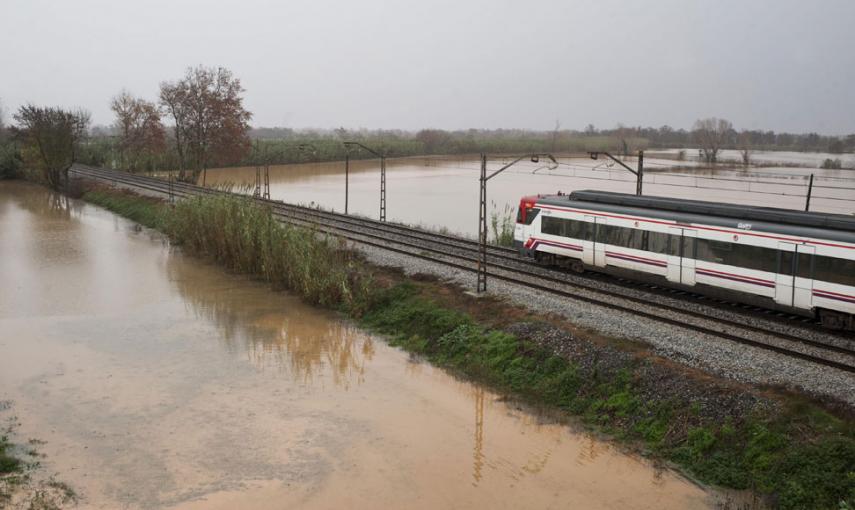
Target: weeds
[148,212]
[503,223]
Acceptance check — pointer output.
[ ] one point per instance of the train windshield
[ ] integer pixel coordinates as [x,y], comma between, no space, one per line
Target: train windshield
[527,212]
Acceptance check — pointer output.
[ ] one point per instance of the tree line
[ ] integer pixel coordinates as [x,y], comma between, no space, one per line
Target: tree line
[198,122]
[208,127]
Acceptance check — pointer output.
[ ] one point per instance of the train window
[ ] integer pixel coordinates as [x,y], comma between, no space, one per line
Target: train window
[552,226]
[635,239]
[657,242]
[580,230]
[834,270]
[690,247]
[622,236]
[530,215]
[674,245]
[565,228]
[739,255]
[804,265]
[786,262]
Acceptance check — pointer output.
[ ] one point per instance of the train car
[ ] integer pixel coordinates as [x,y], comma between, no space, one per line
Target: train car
[796,262]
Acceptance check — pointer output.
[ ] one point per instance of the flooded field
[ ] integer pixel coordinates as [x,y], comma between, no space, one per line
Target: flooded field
[442,192]
[158,381]
[806,160]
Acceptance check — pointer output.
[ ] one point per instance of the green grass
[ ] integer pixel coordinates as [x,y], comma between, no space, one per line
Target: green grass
[802,456]
[148,212]
[8,463]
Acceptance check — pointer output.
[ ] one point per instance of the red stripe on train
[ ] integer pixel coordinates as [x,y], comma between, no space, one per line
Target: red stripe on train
[634,258]
[735,277]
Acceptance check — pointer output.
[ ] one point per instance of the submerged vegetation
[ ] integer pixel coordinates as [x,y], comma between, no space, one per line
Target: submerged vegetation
[796,453]
[21,483]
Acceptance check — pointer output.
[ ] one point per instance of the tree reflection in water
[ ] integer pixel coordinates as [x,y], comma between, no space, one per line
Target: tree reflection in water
[275,330]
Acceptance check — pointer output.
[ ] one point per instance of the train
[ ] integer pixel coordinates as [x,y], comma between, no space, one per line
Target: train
[800,263]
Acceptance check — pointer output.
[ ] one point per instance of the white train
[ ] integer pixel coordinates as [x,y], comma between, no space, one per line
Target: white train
[797,262]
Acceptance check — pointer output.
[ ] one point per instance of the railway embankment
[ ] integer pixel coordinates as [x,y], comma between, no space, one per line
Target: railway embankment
[796,450]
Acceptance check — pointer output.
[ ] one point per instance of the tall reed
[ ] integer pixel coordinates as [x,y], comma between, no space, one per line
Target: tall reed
[246,238]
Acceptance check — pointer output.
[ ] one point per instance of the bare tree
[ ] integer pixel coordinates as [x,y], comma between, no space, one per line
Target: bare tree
[623,135]
[743,142]
[555,134]
[52,138]
[141,134]
[173,101]
[711,134]
[211,124]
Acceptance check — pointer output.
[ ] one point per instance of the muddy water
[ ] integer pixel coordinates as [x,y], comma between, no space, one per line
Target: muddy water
[161,382]
[443,191]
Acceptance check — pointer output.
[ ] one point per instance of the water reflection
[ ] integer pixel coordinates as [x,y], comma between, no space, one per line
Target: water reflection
[270,328]
[478,449]
[38,200]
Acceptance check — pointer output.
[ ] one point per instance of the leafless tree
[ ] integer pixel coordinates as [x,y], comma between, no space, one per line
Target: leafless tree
[555,134]
[52,139]
[623,135]
[744,144]
[173,101]
[141,133]
[711,134]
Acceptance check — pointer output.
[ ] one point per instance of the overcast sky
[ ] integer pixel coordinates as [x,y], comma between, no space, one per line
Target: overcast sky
[770,64]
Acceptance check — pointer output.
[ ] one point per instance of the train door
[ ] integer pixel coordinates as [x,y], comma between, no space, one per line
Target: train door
[803,281]
[589,244]
[688,254]
[785,279]
[681,255]
[599,240]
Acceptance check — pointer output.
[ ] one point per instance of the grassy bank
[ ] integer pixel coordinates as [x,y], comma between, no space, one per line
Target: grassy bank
[796,452]
[800,454]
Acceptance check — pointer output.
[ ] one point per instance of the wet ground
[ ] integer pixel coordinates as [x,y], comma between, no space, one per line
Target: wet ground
[159,381]
[442,191]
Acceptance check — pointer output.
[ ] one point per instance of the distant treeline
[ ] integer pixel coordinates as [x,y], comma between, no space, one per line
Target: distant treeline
[282,145]
[285,145]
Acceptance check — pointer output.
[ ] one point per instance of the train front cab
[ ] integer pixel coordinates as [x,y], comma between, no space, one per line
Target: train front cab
[524,230]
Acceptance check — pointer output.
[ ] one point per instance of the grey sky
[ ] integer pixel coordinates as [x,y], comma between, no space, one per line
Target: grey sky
[772,64]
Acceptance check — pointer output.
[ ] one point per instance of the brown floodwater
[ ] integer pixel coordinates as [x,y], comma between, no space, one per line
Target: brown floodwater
[159,381]
[442,192]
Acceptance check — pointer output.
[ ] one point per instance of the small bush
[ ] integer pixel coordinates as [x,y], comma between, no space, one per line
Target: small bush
[832,164]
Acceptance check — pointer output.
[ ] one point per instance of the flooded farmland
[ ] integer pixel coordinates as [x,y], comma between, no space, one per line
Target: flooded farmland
[159,381]
[442,192]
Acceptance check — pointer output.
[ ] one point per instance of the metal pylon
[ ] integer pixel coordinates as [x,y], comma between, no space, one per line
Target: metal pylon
[382,189]
[482,228]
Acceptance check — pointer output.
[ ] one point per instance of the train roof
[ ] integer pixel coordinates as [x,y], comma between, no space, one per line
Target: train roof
[698,211]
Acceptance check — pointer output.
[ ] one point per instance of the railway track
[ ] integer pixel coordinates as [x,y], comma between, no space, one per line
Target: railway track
[460,253]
